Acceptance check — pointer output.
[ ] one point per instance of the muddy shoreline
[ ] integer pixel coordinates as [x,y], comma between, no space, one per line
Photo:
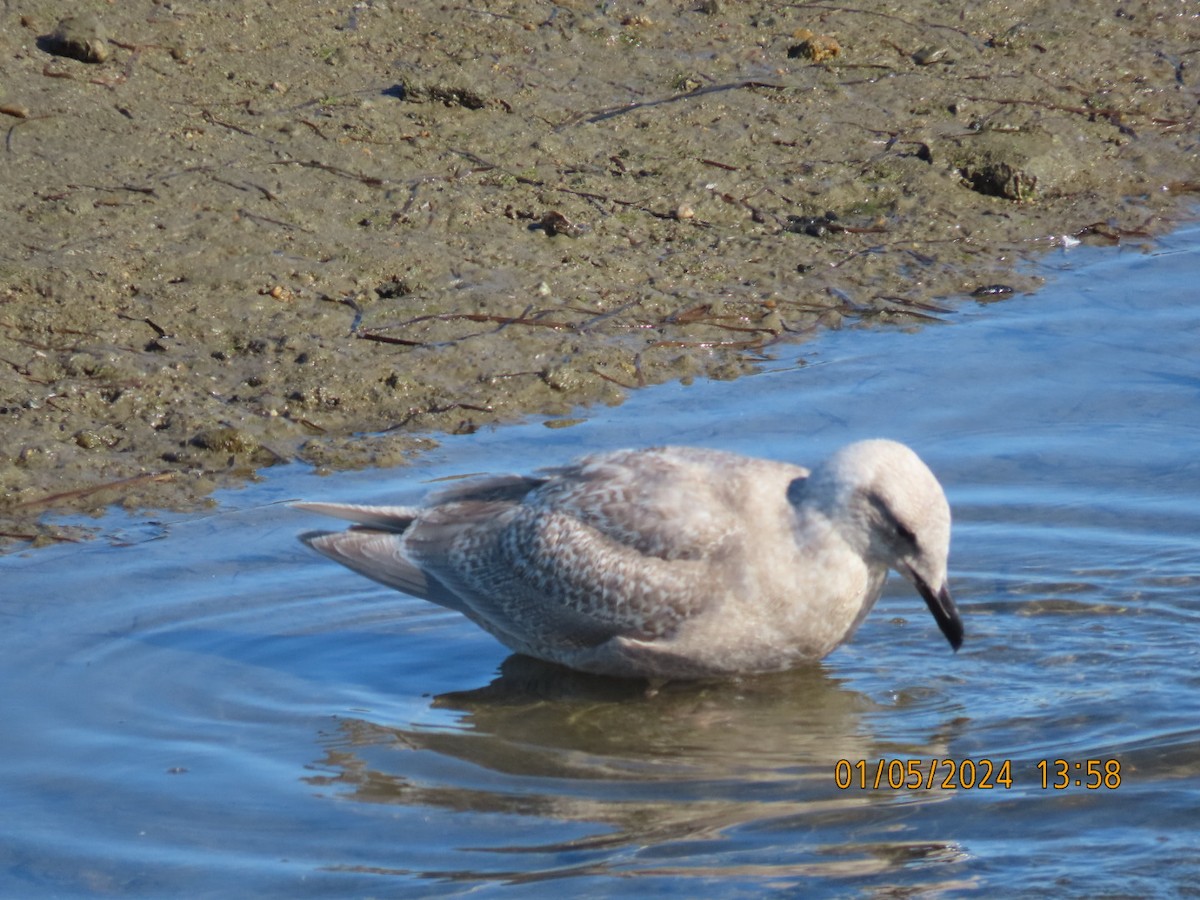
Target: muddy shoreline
[242,235]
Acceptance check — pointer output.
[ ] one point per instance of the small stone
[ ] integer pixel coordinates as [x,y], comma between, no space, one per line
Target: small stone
[79,37]
[992,290]
[94,440]
[817,47]
[224,439]
[927,56]
[555,222]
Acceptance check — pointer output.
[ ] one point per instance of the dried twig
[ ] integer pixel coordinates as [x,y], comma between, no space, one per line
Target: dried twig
[370,180]
[614,111]
[209,117]
[80,493]
[503,321]
[255,217]
[246,186]
[434,410]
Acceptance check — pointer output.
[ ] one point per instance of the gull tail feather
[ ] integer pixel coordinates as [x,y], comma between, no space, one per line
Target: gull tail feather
[383,518]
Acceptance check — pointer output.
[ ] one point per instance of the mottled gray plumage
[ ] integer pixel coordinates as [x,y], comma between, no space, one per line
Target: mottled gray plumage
[671,562]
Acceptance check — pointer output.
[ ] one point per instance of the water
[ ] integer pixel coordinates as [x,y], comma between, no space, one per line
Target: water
[197,705]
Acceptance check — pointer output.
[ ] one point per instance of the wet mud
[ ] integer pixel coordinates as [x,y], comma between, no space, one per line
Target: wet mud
[240,234]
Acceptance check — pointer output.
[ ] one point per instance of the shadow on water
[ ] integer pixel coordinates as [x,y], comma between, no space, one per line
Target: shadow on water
[653,766]
[625,777]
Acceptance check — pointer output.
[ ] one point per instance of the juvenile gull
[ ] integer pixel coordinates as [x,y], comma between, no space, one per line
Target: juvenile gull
[671,562]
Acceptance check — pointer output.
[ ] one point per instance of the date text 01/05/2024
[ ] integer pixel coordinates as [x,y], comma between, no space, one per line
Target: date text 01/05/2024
[972,774]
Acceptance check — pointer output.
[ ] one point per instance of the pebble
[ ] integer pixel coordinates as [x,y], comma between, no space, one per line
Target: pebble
[80,37]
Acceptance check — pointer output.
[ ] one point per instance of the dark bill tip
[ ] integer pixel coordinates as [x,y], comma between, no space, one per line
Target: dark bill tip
[945,613]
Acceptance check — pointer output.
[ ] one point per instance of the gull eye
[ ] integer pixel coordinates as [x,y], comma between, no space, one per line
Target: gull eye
[890,521]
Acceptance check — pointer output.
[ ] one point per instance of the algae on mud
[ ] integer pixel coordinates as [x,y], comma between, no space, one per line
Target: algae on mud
[253,233]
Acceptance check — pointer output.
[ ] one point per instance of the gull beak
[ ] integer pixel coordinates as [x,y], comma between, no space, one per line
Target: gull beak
[945,613]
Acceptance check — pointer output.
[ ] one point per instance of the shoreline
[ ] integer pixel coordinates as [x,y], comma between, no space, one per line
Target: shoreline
[234,243]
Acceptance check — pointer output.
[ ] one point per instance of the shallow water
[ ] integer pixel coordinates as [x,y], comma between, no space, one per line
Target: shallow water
[198,705]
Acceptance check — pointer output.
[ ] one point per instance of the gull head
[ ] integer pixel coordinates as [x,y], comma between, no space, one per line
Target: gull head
[891,509]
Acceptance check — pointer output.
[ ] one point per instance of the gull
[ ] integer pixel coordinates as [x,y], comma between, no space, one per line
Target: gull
[669,562]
